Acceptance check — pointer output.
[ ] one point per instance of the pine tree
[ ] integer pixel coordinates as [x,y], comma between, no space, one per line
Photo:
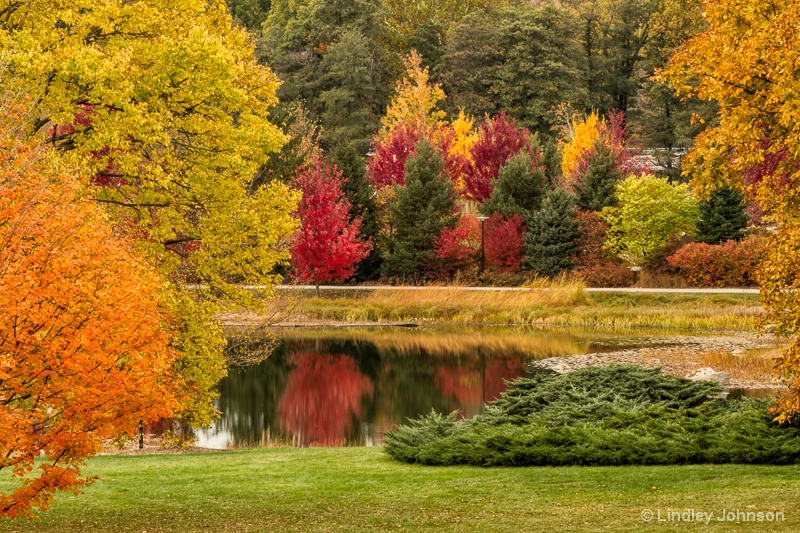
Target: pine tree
[361,195]
[596,188]
[422,209]
[722,216]
[519,189]
[550,240]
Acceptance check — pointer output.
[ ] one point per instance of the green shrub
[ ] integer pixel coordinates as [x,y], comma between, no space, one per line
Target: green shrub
[616,415]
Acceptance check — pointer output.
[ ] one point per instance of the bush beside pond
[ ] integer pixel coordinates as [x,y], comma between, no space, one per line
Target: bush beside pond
[615,415]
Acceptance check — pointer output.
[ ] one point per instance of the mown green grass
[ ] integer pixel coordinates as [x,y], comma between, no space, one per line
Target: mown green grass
[361,489]
[710,312]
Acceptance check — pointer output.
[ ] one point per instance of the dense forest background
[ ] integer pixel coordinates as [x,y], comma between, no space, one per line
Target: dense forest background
[536,60]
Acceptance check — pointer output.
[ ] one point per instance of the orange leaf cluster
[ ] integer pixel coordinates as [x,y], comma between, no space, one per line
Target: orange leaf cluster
[84,355]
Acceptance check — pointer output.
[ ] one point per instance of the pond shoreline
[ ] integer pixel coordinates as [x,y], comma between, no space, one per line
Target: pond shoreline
[681,358]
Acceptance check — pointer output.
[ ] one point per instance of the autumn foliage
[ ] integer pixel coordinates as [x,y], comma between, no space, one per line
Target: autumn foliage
[728,264]
[746,60]
[504,242]
[587,136]
[594,265]
[327,246]
[388,166]
[456,248]
[84,354]
[498,141]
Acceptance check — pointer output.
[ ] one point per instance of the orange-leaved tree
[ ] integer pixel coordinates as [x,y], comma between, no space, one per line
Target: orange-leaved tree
[84,350]
[746,59]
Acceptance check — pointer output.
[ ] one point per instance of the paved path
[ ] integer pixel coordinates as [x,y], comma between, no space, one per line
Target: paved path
[415,288]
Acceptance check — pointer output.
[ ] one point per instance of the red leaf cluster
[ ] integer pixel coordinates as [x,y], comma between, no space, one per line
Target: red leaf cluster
[327,246]
[504,242]
[457,248]
[500,139]
[729,264]
[388,165]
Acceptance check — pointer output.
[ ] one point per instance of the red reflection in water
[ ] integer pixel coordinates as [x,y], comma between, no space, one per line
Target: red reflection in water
[322,395]
[470,388]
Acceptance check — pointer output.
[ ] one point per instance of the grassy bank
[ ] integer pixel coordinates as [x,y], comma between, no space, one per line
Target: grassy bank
[563,304]
[360,489]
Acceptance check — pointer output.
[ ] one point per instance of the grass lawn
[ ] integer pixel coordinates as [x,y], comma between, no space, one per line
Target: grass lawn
[361,489]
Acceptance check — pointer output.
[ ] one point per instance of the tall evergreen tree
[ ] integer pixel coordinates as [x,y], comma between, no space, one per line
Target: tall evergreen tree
[328,55]
[722,216]
[519,189]
[361,195]
[550,240]
[524,59]
[250,13]
[596,188]
[422,209]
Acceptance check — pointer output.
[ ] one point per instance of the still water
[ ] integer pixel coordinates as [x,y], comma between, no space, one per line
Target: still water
[348,387]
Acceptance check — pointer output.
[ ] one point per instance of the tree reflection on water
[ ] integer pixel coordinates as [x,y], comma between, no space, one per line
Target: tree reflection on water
[350,390]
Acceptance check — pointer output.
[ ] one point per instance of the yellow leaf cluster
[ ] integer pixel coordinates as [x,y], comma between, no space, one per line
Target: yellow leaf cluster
[585,133]
[163,104]
[415,100]
[747,60]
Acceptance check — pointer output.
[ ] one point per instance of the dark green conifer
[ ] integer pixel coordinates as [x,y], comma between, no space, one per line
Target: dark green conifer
[518,189]
[550,240]
[596,189]
[722,216]
[361,195]
[421,210]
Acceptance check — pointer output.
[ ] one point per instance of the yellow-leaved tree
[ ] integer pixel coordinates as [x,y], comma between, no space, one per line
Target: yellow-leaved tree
[747,59]
[164,106]
[583,133]
[416,100]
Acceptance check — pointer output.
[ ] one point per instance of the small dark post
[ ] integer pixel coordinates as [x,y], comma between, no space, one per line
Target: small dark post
[483,242]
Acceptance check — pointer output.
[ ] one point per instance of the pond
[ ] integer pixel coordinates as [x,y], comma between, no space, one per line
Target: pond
[348,387]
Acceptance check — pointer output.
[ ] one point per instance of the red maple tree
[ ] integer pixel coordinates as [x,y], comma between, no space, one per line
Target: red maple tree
[457,248]
[505,242]
[392,151]
[388,165]
[500,139]
[327,246]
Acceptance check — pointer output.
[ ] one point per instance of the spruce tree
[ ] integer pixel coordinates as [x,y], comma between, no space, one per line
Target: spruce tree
[550,240]
[596,189]
[722,216]
[519,189]
[361,195]
[421,210]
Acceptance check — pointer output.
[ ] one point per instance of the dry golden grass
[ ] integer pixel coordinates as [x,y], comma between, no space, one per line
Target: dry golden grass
[560,302]
[559,293]
[650,280]
[755,365]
